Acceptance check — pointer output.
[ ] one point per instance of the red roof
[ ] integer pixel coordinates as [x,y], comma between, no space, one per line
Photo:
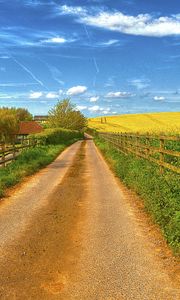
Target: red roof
[29,127]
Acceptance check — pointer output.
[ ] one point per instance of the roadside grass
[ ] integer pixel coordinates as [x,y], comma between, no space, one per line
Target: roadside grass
[160,192]
[28,162]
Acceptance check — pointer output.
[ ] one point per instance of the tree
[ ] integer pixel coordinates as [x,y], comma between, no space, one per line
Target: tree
[65,115]
[9,121]
[8,125]
[23,114]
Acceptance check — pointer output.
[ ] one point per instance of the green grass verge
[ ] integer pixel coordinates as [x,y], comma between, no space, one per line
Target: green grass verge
[161,193]
[27,163]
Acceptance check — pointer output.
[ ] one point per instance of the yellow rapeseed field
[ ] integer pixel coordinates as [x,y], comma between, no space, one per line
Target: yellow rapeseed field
[150,122]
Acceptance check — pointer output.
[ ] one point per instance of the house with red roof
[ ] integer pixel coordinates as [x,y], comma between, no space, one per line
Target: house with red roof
[29,127]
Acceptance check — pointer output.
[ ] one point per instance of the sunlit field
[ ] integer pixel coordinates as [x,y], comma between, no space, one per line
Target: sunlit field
[150,122]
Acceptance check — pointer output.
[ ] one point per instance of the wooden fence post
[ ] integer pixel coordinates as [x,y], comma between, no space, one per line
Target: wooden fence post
[137,142]
[161,155]
[3,155]
[147,145]
[14,149]
[119,140]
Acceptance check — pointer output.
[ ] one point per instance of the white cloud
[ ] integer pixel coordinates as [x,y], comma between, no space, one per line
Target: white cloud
[55,40]
[142,24]
[159,98]
[72,10]
[52,95]
[109,43]
[77,90]
[106,111]
[94,99]
[95,108]
[81,107]
[35,95]
[47,95]
[118,95]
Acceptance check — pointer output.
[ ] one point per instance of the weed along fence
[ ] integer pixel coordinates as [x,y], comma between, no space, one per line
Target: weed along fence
[9,152]
[164,151]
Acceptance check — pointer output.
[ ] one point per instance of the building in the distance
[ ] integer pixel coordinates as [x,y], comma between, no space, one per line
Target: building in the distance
[40,118]
[28,127]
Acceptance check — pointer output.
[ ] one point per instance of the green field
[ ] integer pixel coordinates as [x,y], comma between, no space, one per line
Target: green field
[150,122]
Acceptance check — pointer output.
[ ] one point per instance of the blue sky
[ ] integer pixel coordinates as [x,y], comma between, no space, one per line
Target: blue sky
[108,56]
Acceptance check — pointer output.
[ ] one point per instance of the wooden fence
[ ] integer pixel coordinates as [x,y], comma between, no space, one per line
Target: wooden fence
[164,151]
[10,152]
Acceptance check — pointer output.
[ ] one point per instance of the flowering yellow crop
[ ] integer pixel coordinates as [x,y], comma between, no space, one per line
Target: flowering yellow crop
[150,122]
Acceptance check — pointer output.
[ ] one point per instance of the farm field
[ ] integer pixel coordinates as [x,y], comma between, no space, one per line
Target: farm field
[150,122]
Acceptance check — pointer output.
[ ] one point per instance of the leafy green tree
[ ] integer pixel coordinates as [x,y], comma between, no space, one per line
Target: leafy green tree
[8,125]
[23,114]
[9,121]
[65,115]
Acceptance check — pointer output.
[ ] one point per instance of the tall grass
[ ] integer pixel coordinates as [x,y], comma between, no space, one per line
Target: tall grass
[160,192]
[28,162]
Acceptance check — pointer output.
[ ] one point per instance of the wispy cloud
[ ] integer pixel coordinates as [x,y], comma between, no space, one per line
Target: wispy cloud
[119,95]
[28,71]
[142,24]
[75,10]
[95,64]
[94,59]
[36,3]
[109,43]
[14,84]
[110,82]
[55,72]
[4,57]
[20,36]
[4,96]
[55,40]
[140,83]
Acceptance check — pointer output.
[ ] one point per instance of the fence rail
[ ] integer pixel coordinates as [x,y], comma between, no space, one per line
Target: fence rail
[164,151]
[9,152]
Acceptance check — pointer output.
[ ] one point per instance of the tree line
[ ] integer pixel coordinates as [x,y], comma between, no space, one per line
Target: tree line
[63,115]
[9,121]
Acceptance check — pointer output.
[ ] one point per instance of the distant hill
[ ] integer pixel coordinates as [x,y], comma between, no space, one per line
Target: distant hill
[168,122]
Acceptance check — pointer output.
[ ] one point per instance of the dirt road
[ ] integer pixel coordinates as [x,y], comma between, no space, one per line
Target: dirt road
[72,232]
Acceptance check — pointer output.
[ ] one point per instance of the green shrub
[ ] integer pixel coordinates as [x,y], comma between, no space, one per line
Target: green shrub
[56,136]
[160,192]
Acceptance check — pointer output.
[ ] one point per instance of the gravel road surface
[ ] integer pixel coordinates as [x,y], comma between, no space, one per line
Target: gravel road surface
[71,232]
